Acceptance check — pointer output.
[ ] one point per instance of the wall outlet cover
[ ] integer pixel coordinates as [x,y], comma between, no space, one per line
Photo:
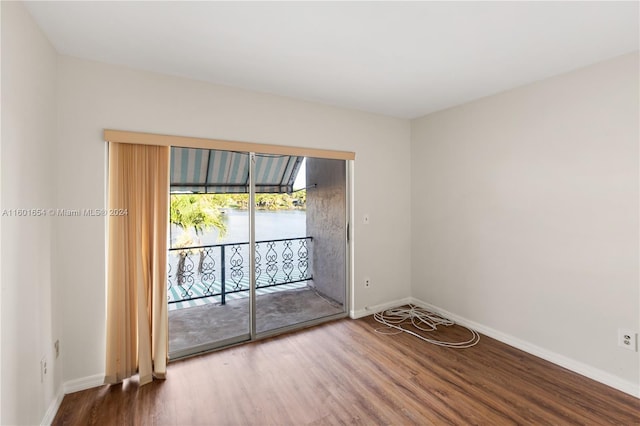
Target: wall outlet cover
[628,339]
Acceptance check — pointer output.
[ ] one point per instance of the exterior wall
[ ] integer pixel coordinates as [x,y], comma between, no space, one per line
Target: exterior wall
[326,208]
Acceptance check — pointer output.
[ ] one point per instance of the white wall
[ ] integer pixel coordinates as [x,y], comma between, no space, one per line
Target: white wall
[29,302]
[525,214]
[95,96]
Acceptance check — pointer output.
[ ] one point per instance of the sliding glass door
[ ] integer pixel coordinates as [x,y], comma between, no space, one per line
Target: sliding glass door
[258,246]
[301,269]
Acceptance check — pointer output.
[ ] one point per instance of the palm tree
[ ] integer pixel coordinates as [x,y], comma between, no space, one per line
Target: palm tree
[200,212]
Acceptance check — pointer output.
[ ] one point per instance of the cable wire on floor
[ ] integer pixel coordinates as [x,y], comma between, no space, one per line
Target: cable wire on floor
[423,320]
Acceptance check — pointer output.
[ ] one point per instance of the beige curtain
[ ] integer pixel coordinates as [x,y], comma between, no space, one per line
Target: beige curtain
[137,325]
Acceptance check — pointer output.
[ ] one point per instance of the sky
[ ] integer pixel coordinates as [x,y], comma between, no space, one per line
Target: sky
[301,179]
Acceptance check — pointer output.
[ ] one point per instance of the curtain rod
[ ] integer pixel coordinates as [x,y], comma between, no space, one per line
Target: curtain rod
[122,136]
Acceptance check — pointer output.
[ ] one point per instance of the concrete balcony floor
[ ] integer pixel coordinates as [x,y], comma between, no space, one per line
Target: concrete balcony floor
[190,327]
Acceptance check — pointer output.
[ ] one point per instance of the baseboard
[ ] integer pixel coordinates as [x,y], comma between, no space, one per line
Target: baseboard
[370,310]
[83,383]
[53,408]
[70,387]
[561,360]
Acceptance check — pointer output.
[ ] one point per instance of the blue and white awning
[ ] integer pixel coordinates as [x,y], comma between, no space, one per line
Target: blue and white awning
[212,171]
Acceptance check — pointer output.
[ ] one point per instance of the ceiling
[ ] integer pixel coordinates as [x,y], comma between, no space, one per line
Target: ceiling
[403,59]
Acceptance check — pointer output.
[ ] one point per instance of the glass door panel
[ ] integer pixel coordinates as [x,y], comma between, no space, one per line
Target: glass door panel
[301,252]
[208,260]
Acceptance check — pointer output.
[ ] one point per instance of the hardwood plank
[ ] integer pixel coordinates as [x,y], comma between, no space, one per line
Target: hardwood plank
[345,373]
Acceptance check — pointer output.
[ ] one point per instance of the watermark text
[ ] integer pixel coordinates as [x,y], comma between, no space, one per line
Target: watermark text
[51,212]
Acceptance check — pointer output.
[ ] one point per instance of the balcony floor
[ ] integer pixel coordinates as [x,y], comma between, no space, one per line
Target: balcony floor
[189,327]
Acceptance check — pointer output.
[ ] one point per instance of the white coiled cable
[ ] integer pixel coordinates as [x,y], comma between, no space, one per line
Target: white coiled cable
[423,320]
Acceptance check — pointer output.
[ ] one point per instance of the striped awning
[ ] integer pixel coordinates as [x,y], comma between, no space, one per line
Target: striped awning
[223,172]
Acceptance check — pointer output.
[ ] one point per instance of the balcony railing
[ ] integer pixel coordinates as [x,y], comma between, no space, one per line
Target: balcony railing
[218,270]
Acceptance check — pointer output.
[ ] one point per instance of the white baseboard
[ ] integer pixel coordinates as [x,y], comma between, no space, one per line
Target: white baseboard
[561,360]
[370,310]
[70,387]
[83,383]
[53,409]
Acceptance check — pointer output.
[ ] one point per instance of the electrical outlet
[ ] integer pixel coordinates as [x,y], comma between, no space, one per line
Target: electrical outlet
[628,339]
[43,369]
[56,347]
[367,282]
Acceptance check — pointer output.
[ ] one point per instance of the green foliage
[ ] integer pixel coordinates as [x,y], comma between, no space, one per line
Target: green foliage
[300,198]
[236,201]
[271,201]
[200,212]
[296,200]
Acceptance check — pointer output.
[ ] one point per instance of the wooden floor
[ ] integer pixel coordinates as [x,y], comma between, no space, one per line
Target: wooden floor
[344,373]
